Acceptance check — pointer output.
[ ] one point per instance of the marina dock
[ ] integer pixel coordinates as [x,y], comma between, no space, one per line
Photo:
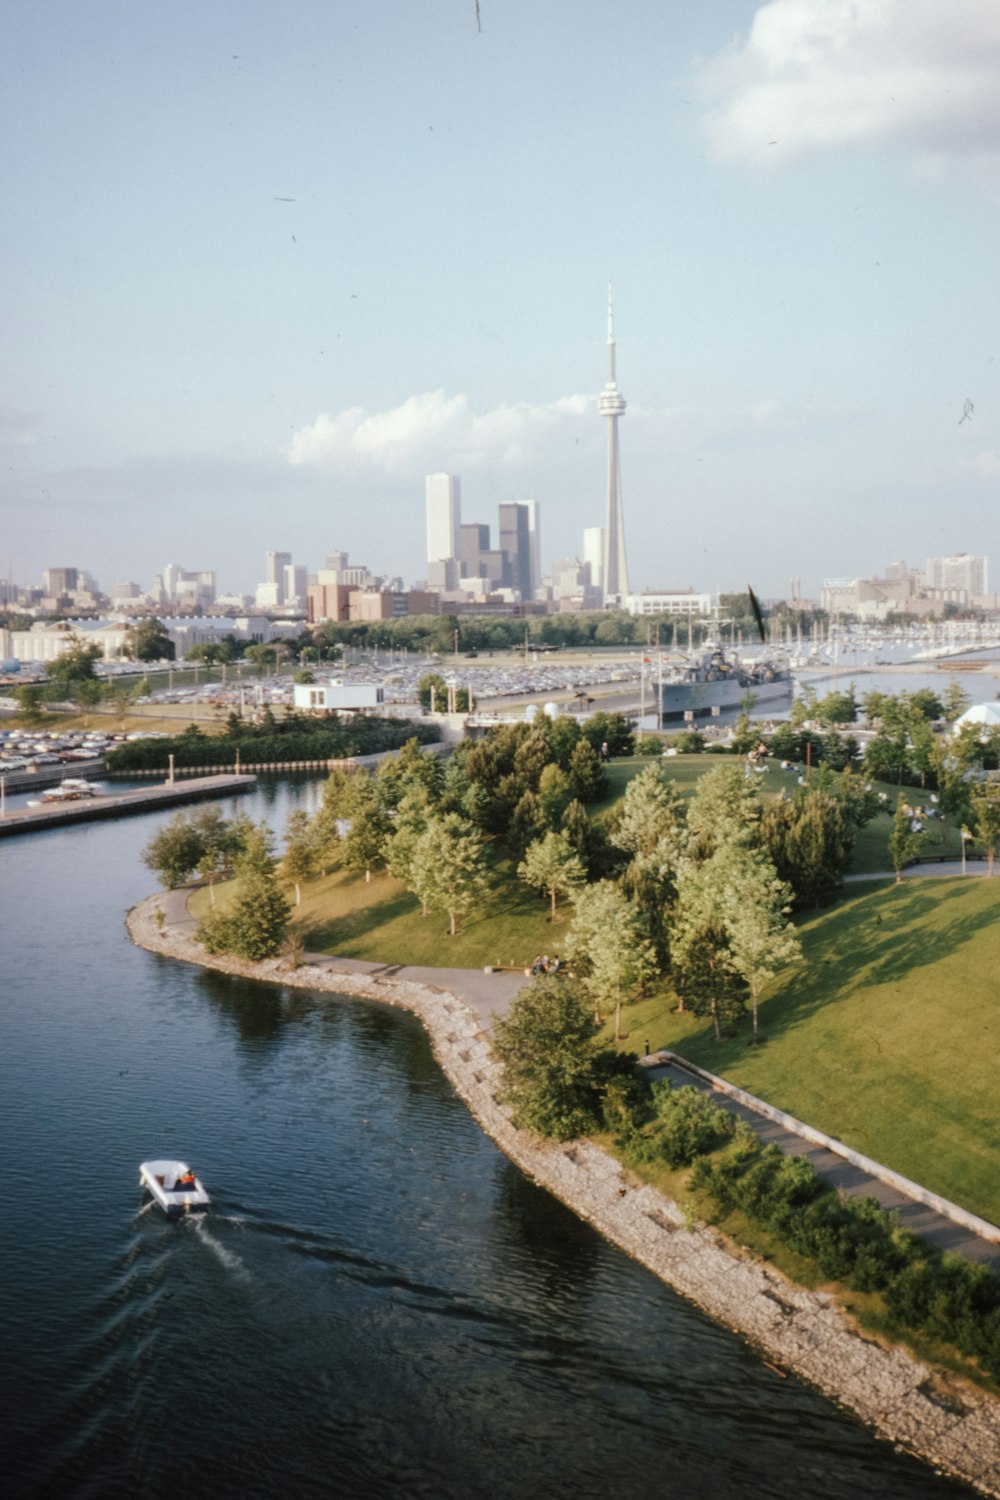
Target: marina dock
[122,804]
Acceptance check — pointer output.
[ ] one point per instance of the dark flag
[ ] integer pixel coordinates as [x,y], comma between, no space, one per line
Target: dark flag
[758,616]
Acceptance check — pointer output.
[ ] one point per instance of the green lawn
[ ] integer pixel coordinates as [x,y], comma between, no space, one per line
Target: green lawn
[886,1037]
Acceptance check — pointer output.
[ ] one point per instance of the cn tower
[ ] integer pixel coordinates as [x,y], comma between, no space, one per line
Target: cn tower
[612,405]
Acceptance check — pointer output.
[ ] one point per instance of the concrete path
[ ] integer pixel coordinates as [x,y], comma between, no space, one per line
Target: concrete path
[975,869]
[843,1175]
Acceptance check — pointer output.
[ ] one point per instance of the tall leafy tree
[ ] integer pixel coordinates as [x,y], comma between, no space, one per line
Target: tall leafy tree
[552,865]
[174,852]
[704,977]
[300,860]
[448,868]
[753,904]
[609,947]
[364,844]
[809,839]
[725,808]
[152,643]
[412,817]
[904,839]
[547,1050]
[986,820]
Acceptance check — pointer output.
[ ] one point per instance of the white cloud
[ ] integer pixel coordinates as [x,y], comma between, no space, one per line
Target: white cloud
[433,431]
[820,74]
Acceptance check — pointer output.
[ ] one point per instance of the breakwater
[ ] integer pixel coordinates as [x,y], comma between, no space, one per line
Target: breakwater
[946,1422]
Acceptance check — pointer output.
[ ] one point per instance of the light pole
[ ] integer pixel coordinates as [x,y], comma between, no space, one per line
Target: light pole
[966,836]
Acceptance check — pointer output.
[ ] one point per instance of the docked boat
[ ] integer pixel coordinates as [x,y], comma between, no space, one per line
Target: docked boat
[713,679]
[174,1187]
[70,789]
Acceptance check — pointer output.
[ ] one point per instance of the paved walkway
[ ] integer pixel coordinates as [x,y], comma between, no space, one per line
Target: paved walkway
[974,868]
[843,1175]
[490,995]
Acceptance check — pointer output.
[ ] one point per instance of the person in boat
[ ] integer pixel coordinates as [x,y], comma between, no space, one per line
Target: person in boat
[185,1182]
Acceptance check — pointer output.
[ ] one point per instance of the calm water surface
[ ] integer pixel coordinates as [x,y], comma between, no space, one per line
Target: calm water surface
[379,1304]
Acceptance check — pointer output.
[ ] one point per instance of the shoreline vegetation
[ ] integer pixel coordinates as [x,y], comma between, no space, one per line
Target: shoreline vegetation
[945,1421]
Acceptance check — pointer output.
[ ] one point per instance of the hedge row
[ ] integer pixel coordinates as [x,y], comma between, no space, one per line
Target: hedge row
[852,1240]
[359,736]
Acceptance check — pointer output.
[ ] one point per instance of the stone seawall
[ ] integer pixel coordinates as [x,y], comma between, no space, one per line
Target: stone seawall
[948,1423]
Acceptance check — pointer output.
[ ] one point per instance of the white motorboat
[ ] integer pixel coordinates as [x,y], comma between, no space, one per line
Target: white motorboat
[174,1186]
[70,789]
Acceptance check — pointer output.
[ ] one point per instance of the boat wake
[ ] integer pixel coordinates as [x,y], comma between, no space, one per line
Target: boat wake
[225,1257]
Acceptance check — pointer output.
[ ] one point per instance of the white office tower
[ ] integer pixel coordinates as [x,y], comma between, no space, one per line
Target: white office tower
[593,554]
[444,516]
[277,562]
[534,543]
[962,574]
[296,583]
[611,404]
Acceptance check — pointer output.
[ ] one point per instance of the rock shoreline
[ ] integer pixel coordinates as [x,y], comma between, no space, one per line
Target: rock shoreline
[947,1423]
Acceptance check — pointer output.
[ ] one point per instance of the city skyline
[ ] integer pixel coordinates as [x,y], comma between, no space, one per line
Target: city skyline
[225,340]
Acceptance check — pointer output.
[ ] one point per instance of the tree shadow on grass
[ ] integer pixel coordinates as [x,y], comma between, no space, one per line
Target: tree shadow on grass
[881,938]
[885,938]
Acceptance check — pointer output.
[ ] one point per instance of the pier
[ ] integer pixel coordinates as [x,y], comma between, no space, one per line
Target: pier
[122,804]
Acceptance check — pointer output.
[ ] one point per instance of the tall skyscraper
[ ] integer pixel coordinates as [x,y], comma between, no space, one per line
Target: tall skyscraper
[593,555]
[444,516]
[515,544]
[612,405]
[277,562]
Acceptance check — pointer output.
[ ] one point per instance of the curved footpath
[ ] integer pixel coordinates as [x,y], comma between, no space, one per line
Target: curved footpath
[946,1422]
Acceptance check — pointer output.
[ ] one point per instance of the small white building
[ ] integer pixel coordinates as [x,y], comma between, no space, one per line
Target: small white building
[668,602]
[337,696]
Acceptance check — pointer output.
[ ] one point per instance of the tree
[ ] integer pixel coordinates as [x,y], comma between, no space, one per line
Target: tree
[72,672]
[904,840]
[753,904]
[152,643]
[809,840]
[408,768]
[299,861]
[614,730]
[837,707]
[220,841]
[986,820]
[547,1050]
[725,808]
[610,949]
[651,828]
[364,844]
[447,870]
[954,701]
[256,924]
[588,782]
[552,864]
[173,852]
[525,824]
[554,794]
[412,817]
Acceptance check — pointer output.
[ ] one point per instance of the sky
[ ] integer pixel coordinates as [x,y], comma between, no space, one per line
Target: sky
[265,266]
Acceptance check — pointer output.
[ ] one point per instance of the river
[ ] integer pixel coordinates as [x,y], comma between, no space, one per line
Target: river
[379,1304]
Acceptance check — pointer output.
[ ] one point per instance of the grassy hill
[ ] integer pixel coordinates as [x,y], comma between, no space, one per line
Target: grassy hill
[887,1036]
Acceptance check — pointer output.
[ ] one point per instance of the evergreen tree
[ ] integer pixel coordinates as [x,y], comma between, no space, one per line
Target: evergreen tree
[256,924]
[554,794]
[587,780]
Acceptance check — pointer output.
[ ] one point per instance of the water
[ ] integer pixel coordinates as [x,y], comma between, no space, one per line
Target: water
[379,1304]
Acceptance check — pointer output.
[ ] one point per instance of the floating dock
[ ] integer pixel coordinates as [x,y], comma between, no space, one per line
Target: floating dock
[122,804]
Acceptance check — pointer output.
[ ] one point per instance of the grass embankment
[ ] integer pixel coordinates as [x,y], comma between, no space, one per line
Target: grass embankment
[885,1036]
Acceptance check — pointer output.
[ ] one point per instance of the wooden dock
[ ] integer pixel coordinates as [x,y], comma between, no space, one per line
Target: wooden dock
[123,804]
